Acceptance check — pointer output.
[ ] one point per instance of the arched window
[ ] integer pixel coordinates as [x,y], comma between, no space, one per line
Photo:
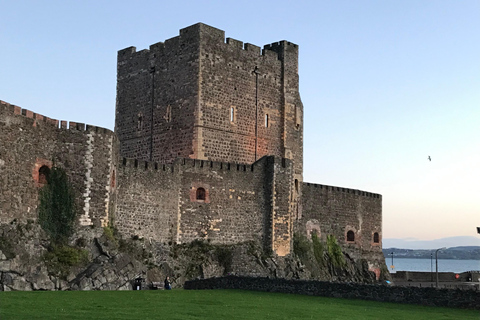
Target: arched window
[201,194]
[350,236]
[376,238]
[43,174]
[296,185]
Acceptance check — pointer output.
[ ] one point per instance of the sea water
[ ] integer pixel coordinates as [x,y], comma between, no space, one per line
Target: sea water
[428,265]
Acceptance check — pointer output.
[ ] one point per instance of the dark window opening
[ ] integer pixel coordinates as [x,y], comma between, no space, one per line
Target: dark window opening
[376,238]
[266,121]
[296,185]
[112,180]
[350,236]
[43,174]
[140,122]
[201,194]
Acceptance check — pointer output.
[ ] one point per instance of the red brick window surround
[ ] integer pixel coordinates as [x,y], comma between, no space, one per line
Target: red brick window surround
[199,193]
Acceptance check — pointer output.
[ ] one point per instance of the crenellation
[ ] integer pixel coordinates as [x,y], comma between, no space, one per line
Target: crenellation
[27,113]
[127,52]
[269,54]
[252,48]
[235,43]
[343,190]
[157,47]
[172,44]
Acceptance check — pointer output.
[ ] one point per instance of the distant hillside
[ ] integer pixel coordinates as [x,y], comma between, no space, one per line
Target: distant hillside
[459,253]
[411,243]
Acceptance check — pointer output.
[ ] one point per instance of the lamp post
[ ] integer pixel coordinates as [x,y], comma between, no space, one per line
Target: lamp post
[392,266]
[436,263]
[431,266]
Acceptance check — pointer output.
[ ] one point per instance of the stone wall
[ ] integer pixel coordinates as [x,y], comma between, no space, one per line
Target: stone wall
[451,277]
[241,202]
[235,204]
[31,141]
[333,210]
[146,200]
[382,293]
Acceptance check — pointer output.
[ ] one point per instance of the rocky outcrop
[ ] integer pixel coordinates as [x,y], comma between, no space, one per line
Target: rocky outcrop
[113,264]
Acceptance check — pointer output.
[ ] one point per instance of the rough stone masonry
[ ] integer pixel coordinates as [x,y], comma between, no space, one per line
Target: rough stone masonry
[208,144]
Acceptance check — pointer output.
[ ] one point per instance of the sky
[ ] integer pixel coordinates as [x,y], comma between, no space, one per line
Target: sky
[384,84]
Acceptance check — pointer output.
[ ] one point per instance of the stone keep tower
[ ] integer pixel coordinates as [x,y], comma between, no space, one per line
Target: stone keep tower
[197,96]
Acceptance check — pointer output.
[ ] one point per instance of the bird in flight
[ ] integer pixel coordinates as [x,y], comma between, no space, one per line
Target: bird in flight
[430,159]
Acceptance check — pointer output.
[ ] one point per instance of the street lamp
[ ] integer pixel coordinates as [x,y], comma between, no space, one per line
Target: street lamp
[436,263]
[431,267]
[392,266]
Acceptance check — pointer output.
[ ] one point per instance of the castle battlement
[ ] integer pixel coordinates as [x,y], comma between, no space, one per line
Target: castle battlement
[146,165]
[199,32]
[204,165]
[334,189]
[57,124]
[215,165]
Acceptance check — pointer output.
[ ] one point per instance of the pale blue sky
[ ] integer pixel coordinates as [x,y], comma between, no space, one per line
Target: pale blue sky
[384,84]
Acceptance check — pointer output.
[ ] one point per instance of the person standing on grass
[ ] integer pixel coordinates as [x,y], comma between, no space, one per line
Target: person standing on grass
[167,285]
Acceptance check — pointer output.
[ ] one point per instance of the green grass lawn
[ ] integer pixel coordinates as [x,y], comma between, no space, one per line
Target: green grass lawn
[206,304]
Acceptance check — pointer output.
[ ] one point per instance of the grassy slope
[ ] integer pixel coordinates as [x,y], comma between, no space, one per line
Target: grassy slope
[208,304]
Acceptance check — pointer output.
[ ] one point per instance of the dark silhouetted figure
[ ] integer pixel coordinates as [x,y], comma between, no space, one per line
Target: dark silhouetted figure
[167,285]
[429,158]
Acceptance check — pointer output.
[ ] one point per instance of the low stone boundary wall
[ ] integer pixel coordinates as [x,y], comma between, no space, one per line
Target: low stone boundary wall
[382,293]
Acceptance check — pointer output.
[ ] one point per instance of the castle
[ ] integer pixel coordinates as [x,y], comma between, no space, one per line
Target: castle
[208,144]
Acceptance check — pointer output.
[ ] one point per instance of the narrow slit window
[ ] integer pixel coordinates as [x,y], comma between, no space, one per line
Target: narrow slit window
[232,114]
[168,114]
[266,121]
[298,117]
[140,121]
